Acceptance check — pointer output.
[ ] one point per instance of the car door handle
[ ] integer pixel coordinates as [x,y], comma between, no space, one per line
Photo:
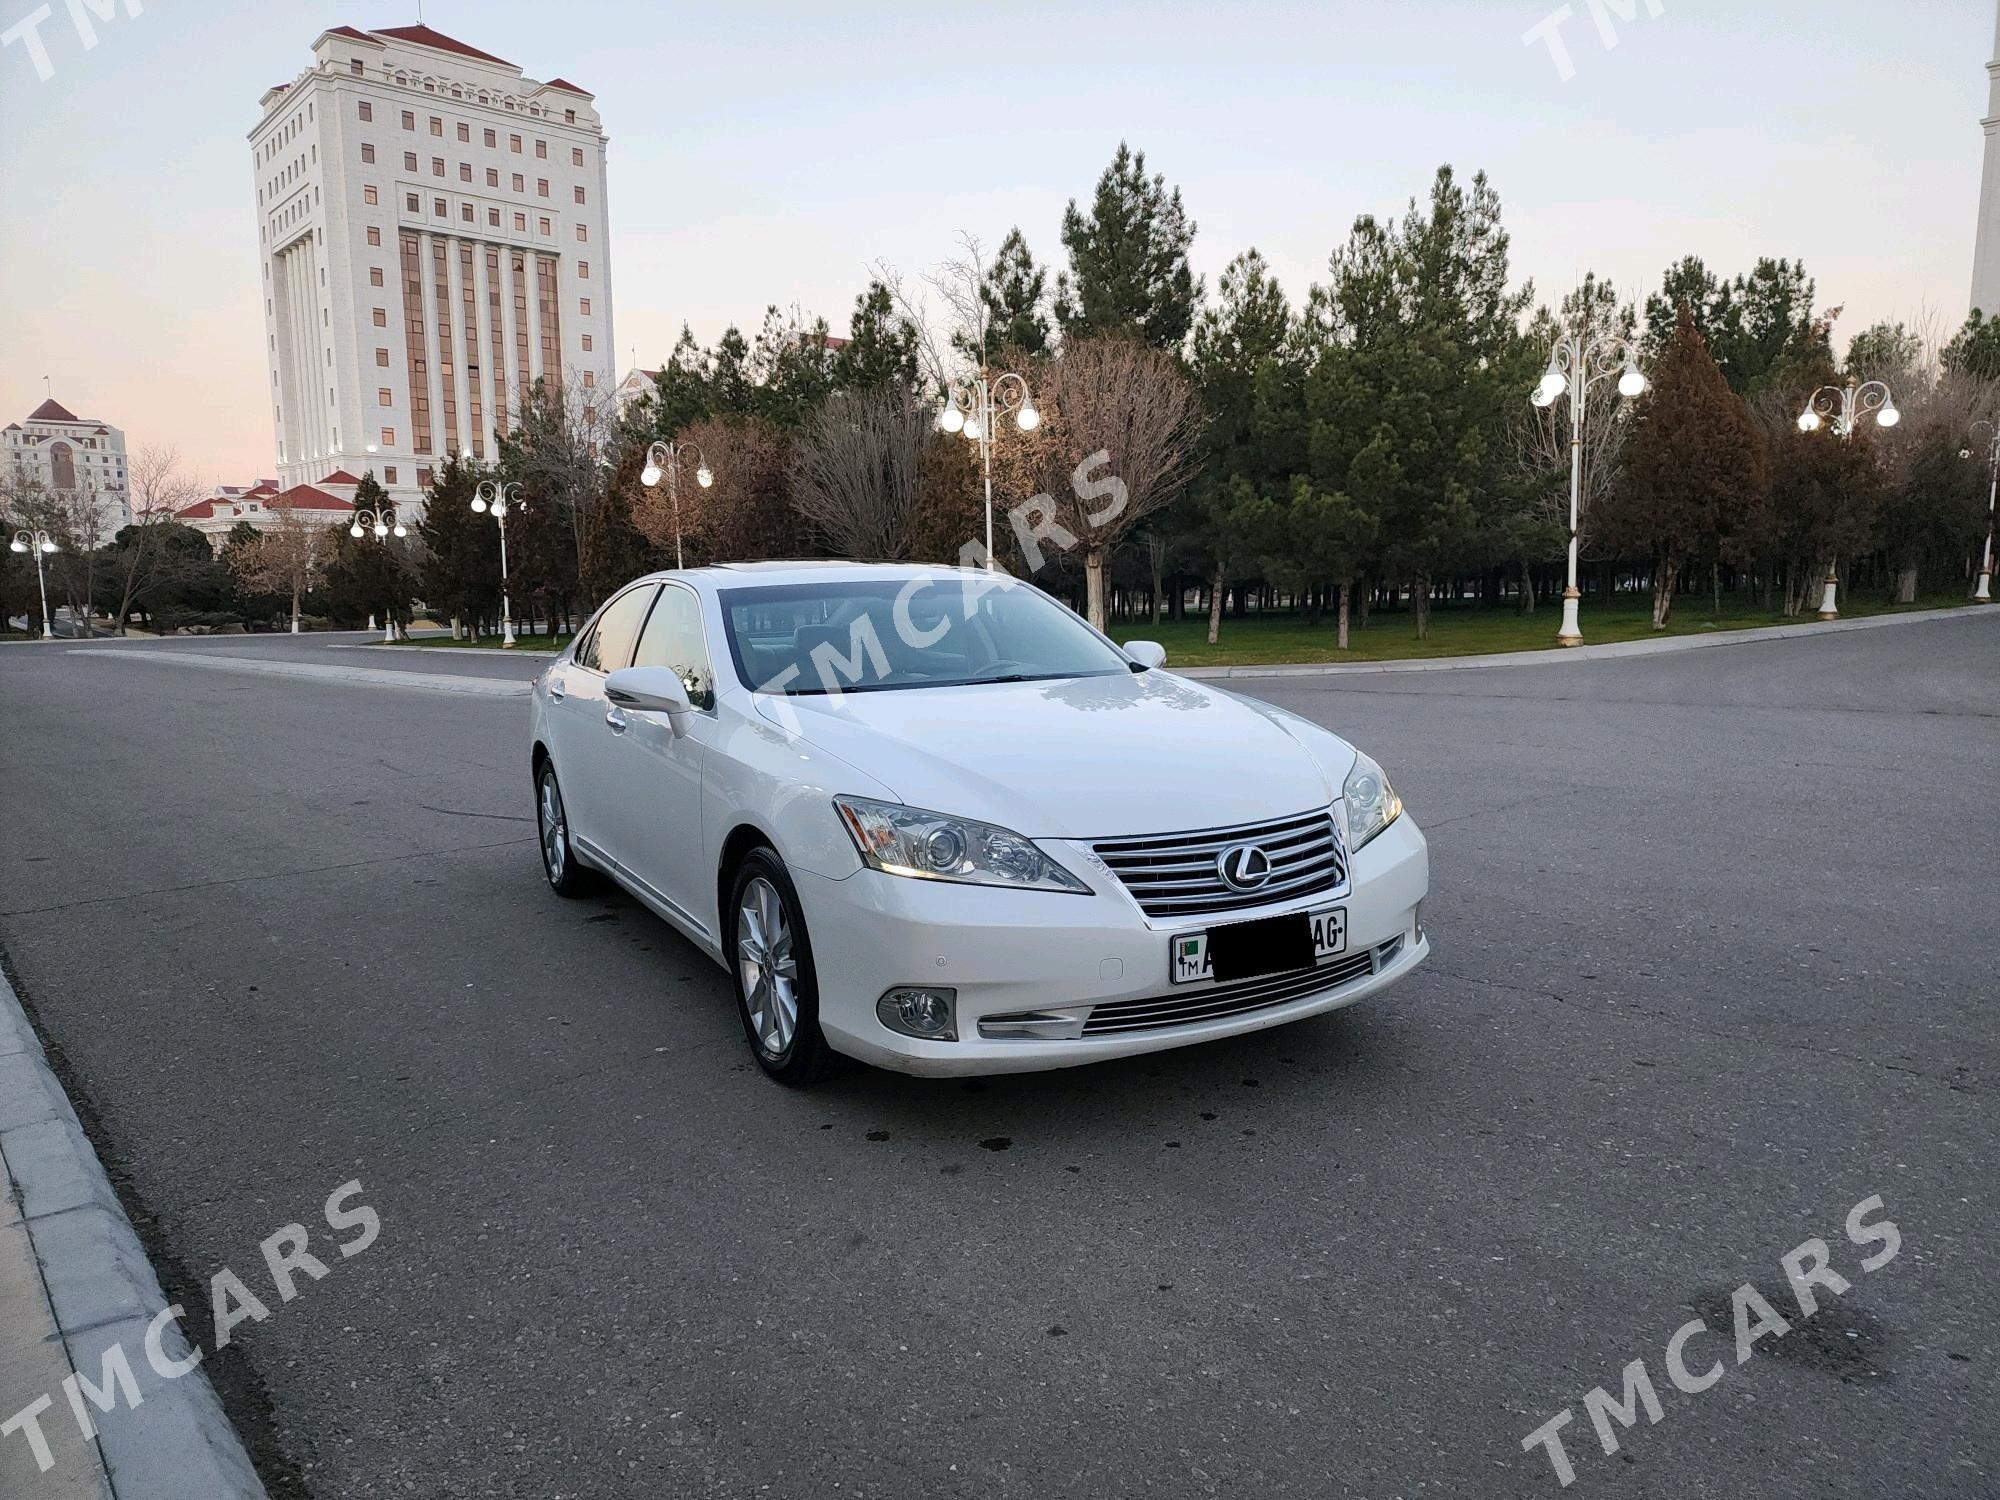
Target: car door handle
[617,720]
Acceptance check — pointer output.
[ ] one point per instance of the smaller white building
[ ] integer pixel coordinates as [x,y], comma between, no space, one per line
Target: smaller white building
[58,451]
[331,502]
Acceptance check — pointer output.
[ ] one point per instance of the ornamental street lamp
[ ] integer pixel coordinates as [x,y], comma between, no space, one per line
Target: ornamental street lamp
[383,523]
[41,544]
[492,498]
[1984,593]
[975,407]
[1574,367]
[665,459]
[1844,407]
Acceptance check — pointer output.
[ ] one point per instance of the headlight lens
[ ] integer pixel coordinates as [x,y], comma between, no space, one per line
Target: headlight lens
[900,840]
[1371,803]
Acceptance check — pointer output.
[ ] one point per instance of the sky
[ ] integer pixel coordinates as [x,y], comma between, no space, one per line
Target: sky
[768,153]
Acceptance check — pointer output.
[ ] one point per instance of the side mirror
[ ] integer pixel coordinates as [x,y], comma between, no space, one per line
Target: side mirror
[1147,654]
[651,690]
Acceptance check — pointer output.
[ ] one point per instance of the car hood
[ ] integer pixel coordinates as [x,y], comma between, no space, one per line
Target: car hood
[1083,758]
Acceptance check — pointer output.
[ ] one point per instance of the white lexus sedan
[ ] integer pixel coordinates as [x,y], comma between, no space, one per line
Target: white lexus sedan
[930,819]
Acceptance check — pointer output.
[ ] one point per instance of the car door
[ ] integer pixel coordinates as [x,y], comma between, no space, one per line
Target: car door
[588,735]
[658,785]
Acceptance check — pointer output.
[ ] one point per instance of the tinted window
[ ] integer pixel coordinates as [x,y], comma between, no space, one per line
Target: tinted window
[943,630]
[673,638]
[609,645]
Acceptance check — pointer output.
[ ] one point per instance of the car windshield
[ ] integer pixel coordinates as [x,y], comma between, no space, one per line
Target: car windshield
[945,630]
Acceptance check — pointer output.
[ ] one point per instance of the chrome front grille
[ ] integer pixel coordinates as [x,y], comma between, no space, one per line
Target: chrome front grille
[1219,1001]
[1180,874]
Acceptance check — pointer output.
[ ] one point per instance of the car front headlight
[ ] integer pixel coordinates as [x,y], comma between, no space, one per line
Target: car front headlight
[1371,803]
[900,840]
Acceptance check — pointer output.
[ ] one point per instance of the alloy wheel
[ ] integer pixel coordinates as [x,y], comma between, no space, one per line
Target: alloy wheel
[555,831]
[767,966]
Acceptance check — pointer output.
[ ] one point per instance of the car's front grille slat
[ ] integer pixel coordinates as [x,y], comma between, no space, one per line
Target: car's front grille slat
[1179,875]
[1221,1001]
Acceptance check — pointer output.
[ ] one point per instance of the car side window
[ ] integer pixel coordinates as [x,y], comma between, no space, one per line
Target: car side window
[674,637]
[609,646]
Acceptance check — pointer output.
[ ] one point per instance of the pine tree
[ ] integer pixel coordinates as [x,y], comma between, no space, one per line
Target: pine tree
[1015,291]
[881,344]
[460,570]
[1694,468]
[1128,260]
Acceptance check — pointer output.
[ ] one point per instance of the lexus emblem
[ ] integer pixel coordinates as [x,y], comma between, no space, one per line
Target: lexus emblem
[1244,867]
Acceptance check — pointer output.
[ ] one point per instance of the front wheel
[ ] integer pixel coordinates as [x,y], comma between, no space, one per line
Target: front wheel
[777,992]
[559,862]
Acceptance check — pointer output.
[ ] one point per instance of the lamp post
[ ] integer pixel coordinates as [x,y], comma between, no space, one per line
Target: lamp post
[41,544]
[1845,406]
[1984,593]
[665,459]
[1575,365]
[383,523]
[491,498]
[975,407]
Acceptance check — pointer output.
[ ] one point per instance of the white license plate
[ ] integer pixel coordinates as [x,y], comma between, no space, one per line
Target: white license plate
[1329,939]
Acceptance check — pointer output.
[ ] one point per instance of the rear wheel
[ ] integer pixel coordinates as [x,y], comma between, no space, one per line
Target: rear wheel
[566,876]
[777,992]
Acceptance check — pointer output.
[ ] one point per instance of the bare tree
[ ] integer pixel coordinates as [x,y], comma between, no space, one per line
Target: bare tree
[856,470]
[287,559]
[1120,429]
[160,492]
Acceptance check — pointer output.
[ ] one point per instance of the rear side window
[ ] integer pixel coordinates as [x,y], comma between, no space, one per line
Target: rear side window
[674,638]
[609,645]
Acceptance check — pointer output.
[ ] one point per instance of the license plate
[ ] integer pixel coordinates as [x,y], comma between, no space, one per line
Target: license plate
[1249,950]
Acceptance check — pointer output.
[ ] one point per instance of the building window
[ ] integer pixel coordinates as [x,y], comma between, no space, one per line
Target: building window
[520,223]
[440,208]
[576,156]
[590,380]
[424,475]
[493,218]
[369,195]
[465,171]
[382,358]
[354,66]
[541,187]
[464,131]
[545,226]
[583,232]
[367,153]
[492,139]
[410,202]
[381,317]
[520,183]
[514,144]
[583,306]
[375,272]
[385,397]
[409,119]
[437,126]
[367,110]
[583,270]
[437,166]
[542,150]
[409,161]
[579,192]
[586,343]
[493,177]
[569,117]
[465,212]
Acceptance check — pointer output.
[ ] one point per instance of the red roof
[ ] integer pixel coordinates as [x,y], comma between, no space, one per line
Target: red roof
[52,411]
[201,510]
[568,87]
[348,32]
[305,497]
[340,476]
[423,36]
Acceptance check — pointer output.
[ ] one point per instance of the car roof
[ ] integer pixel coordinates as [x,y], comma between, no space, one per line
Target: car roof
[740,574]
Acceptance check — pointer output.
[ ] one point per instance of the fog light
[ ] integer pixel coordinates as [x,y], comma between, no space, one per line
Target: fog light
[1420,921]
[928,1014]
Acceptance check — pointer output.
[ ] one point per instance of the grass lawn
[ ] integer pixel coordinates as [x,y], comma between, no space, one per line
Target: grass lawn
[1467,630]
[488,643]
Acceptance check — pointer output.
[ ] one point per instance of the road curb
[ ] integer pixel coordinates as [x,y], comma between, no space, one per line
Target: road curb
[101,1293]
[1611,651]
[433,682]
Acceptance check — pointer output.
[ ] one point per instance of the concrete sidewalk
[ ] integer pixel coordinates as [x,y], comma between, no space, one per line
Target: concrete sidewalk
[75,1288]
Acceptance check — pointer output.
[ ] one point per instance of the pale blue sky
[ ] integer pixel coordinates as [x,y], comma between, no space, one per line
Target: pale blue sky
[770,152]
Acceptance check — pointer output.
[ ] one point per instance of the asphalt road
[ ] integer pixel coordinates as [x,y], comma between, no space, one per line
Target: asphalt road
[1715,957]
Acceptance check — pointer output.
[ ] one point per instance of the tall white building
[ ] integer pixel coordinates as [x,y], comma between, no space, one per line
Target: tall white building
[56,450]
[433,233]
[1986,257]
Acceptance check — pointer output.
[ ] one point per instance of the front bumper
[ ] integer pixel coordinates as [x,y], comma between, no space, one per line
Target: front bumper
[1006,952]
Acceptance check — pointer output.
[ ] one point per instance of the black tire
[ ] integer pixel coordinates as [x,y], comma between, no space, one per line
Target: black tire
[799,1055]
[566,875]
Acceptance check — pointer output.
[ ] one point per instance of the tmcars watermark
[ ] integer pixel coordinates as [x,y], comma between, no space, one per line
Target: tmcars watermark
[231,1302]
[27,32]
[1549,30]
[1807,1268]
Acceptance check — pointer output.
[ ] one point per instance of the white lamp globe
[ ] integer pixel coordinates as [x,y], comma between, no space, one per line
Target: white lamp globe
[1028,418]
[704,476]
[401,529]
[1889,416]
[17,545]
[49,544]
[953,419]
[971,430]
[355,529]
[650,475]
[381,530]
[1631,383]
[1809,421]
[479,505]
